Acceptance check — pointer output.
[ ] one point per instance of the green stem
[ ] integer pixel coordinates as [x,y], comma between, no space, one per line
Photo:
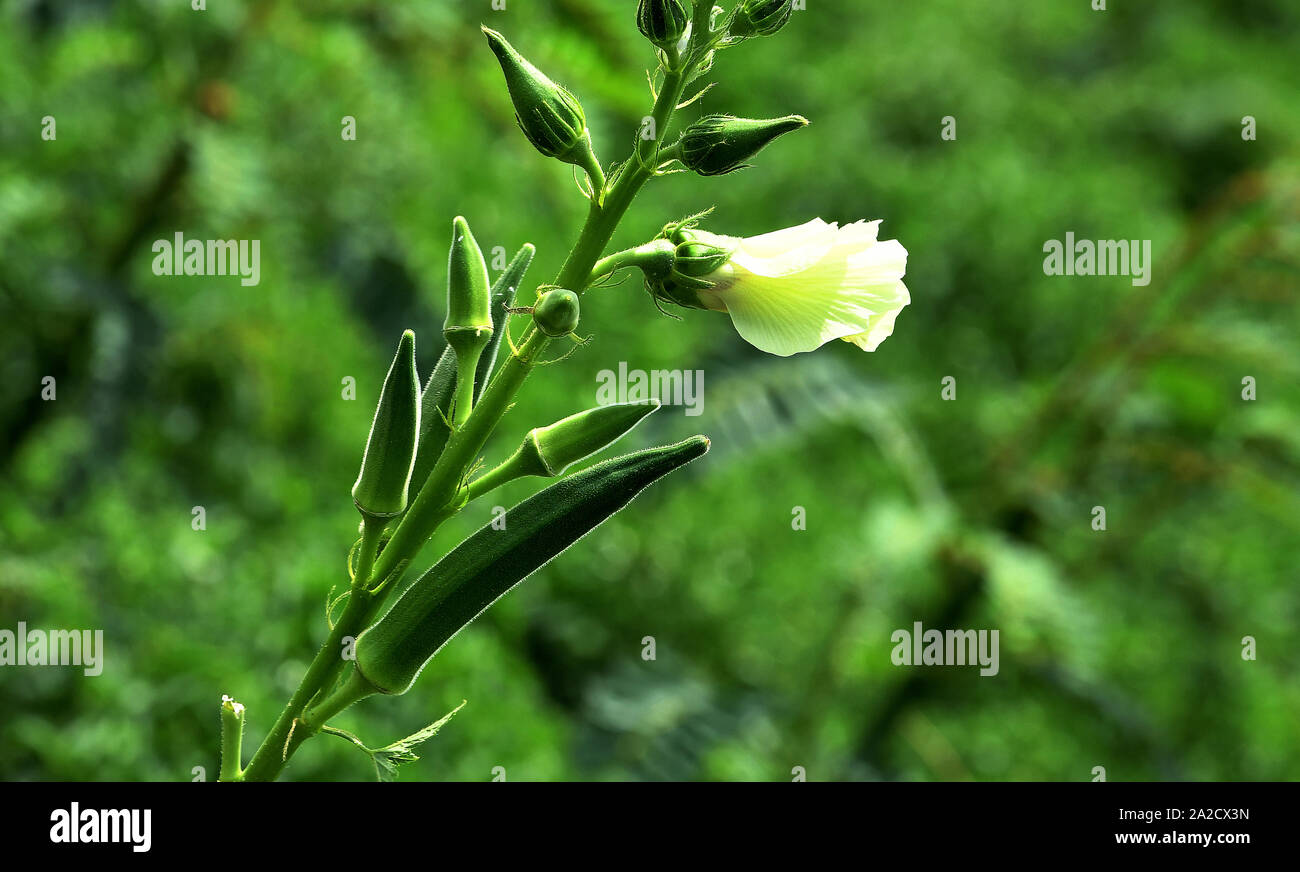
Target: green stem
[371,530]
[463,403]
[271,755]
[493,479]
[603,218]
[591,165]
[316,716]
[232,739]
[647,257]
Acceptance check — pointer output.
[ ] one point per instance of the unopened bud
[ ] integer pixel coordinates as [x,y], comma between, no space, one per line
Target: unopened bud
[548,114]
[761,17]
[719,144]
[661,21]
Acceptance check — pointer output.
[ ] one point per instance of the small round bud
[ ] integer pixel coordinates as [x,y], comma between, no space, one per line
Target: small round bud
[556,313]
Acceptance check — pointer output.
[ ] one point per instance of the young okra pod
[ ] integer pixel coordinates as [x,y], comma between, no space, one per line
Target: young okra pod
[381,487]
[549,451]
[391,654]
[468,327]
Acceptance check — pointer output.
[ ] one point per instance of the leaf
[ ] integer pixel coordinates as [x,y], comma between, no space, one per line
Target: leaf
[388,758]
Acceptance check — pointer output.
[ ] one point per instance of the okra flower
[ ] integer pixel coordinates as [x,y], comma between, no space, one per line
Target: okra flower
[795,289]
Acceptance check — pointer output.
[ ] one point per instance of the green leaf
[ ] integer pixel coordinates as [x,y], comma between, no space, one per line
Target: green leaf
[388,758]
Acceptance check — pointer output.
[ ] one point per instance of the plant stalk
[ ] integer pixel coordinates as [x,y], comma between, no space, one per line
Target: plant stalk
[463,446]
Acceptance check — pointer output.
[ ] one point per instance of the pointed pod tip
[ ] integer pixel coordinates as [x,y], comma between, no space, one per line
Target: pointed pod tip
[496,41]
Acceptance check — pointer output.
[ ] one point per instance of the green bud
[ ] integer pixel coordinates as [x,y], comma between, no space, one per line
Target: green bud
[760,17]
[549,115]
[556,313]
[469,299]
[380,489]
[720,144]
[549,451]
[661,21]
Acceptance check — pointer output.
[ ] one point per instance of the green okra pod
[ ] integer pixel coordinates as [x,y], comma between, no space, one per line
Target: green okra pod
[468,327]
[435,412]
[549,451]
[503,297]
[381,487]
[391,654]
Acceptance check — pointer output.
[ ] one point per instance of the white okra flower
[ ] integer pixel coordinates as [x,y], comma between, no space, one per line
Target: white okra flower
[795,289]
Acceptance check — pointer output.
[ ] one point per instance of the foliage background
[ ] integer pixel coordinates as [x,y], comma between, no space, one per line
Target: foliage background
[1120,649]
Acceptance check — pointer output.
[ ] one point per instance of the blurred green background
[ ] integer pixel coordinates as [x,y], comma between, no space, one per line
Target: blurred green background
[1119,648]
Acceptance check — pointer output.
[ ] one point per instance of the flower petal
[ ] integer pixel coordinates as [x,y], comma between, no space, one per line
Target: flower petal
[791,250]
[882,326]
[834,298]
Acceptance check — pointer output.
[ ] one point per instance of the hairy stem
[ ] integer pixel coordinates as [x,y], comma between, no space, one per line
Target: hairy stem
[232,739]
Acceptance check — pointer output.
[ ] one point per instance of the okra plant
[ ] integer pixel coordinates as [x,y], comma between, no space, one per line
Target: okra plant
[786,292]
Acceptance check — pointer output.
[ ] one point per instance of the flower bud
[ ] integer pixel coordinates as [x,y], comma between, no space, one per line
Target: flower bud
[548,451]
[556,313]
[661,21]
[469,299]
[760,17]
[549,115]
[381,486]
[720,144]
